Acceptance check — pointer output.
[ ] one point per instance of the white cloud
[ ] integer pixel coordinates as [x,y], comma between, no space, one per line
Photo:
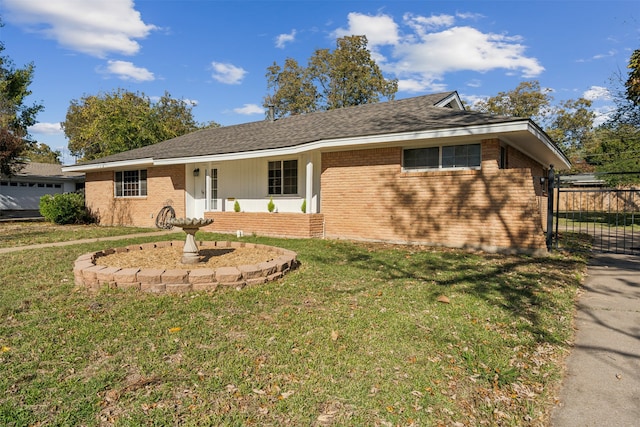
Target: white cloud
[283,39]
[379,29]
[464,48]
[94,27]
[595,93]
[249,109]
[421,50]
[46,129]
[422,24]
[125,70]
[227,73]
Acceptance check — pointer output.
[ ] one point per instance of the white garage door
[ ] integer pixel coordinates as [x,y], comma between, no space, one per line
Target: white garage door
[25,195]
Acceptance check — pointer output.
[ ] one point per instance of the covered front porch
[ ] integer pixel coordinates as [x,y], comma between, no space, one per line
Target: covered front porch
[291,183]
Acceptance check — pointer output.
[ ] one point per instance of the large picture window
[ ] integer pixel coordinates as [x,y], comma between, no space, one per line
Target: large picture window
[283,177]
[131,183]
[449,156]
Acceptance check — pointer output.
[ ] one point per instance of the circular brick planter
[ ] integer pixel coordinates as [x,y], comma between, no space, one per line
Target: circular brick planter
[90,274]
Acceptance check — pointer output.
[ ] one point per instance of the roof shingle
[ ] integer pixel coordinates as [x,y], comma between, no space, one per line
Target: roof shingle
[405,115]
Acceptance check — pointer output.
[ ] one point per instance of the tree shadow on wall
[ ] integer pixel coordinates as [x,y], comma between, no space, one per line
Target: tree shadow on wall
[477,204]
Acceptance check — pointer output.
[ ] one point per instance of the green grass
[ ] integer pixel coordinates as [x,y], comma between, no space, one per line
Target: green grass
[355,336]
[600,219]
[30,233]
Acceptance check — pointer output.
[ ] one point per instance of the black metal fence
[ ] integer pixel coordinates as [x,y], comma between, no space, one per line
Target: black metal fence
[609,217]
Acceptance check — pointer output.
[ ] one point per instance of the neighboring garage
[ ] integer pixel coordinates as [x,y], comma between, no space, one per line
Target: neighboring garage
[21,193]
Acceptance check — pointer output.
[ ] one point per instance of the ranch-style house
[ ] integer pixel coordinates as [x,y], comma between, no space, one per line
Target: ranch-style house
[420,170]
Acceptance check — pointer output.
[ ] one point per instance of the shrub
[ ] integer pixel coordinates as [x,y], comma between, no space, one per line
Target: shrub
[303,208]
[65,208]
[271,206]
[236,206]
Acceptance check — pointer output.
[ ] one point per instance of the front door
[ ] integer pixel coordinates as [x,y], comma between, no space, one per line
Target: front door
[200,193]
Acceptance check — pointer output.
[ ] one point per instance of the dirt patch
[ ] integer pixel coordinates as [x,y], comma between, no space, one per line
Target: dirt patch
[169,258]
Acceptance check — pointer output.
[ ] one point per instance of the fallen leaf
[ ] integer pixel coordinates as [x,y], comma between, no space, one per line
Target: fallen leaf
[286,394]
[325,418]
[443,299]
[334,335]
[5,349]
[174,330]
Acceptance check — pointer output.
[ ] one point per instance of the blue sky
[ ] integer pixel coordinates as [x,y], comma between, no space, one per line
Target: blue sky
[215,53]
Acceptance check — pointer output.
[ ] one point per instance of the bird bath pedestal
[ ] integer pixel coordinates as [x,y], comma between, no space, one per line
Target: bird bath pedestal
[190,254]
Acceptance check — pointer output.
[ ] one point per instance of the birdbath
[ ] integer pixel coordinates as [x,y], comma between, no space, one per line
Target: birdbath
[190,226]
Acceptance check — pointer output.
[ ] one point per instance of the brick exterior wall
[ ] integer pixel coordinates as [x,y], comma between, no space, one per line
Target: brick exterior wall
[365,195]
[295,225]
[164,183]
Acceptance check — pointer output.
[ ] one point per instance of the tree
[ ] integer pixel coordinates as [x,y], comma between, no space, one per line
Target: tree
[572,127]
[42,153]
[345,77]
[616,148]
[616,153]
[15,116]
[632,84]
[293,90]
[570,123]
[527,100]
[109,123]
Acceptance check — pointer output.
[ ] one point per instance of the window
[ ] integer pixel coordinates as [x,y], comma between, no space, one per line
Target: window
[417,158]
[450,156]
[131,183]
[503,157]
[214,190]
[283,177]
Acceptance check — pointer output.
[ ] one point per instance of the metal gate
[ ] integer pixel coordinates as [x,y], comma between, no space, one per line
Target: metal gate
[609,217]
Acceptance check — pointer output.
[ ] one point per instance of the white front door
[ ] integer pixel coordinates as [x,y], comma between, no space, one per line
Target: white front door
[200,193]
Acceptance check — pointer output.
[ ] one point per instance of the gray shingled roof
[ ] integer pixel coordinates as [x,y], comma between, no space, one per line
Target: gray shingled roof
[404,115]
[46,170]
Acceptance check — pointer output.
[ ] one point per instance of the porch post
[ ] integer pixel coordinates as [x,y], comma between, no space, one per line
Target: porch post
[309,184]
[551,178]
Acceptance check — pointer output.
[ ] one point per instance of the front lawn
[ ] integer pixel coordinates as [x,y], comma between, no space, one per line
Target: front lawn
[31,233]
[360,334]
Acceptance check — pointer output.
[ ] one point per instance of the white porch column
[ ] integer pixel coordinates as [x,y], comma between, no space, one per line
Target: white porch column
[309,185]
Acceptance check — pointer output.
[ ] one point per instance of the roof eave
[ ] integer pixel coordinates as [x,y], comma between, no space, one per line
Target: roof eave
[93,167]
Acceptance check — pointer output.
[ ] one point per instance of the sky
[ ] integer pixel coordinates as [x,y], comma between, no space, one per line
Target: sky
[214,54]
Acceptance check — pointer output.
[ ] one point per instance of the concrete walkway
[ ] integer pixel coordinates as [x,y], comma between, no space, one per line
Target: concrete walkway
[602,383]
[90,240]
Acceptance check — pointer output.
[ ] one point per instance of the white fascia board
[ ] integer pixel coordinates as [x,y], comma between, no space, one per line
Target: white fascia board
[324,145]
[539,133]
[108,165]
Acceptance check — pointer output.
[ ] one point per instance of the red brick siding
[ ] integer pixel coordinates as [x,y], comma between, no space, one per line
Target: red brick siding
[365,195]
[297,225]
[164,183]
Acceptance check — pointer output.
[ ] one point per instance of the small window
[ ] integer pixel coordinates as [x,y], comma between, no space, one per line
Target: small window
[446,157]
[461,156]
[283,177]
[131,183]
[420,158]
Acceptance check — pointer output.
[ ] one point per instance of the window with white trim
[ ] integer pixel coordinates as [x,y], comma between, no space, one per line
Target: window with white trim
[444,157]
[131,183]
[283,177]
